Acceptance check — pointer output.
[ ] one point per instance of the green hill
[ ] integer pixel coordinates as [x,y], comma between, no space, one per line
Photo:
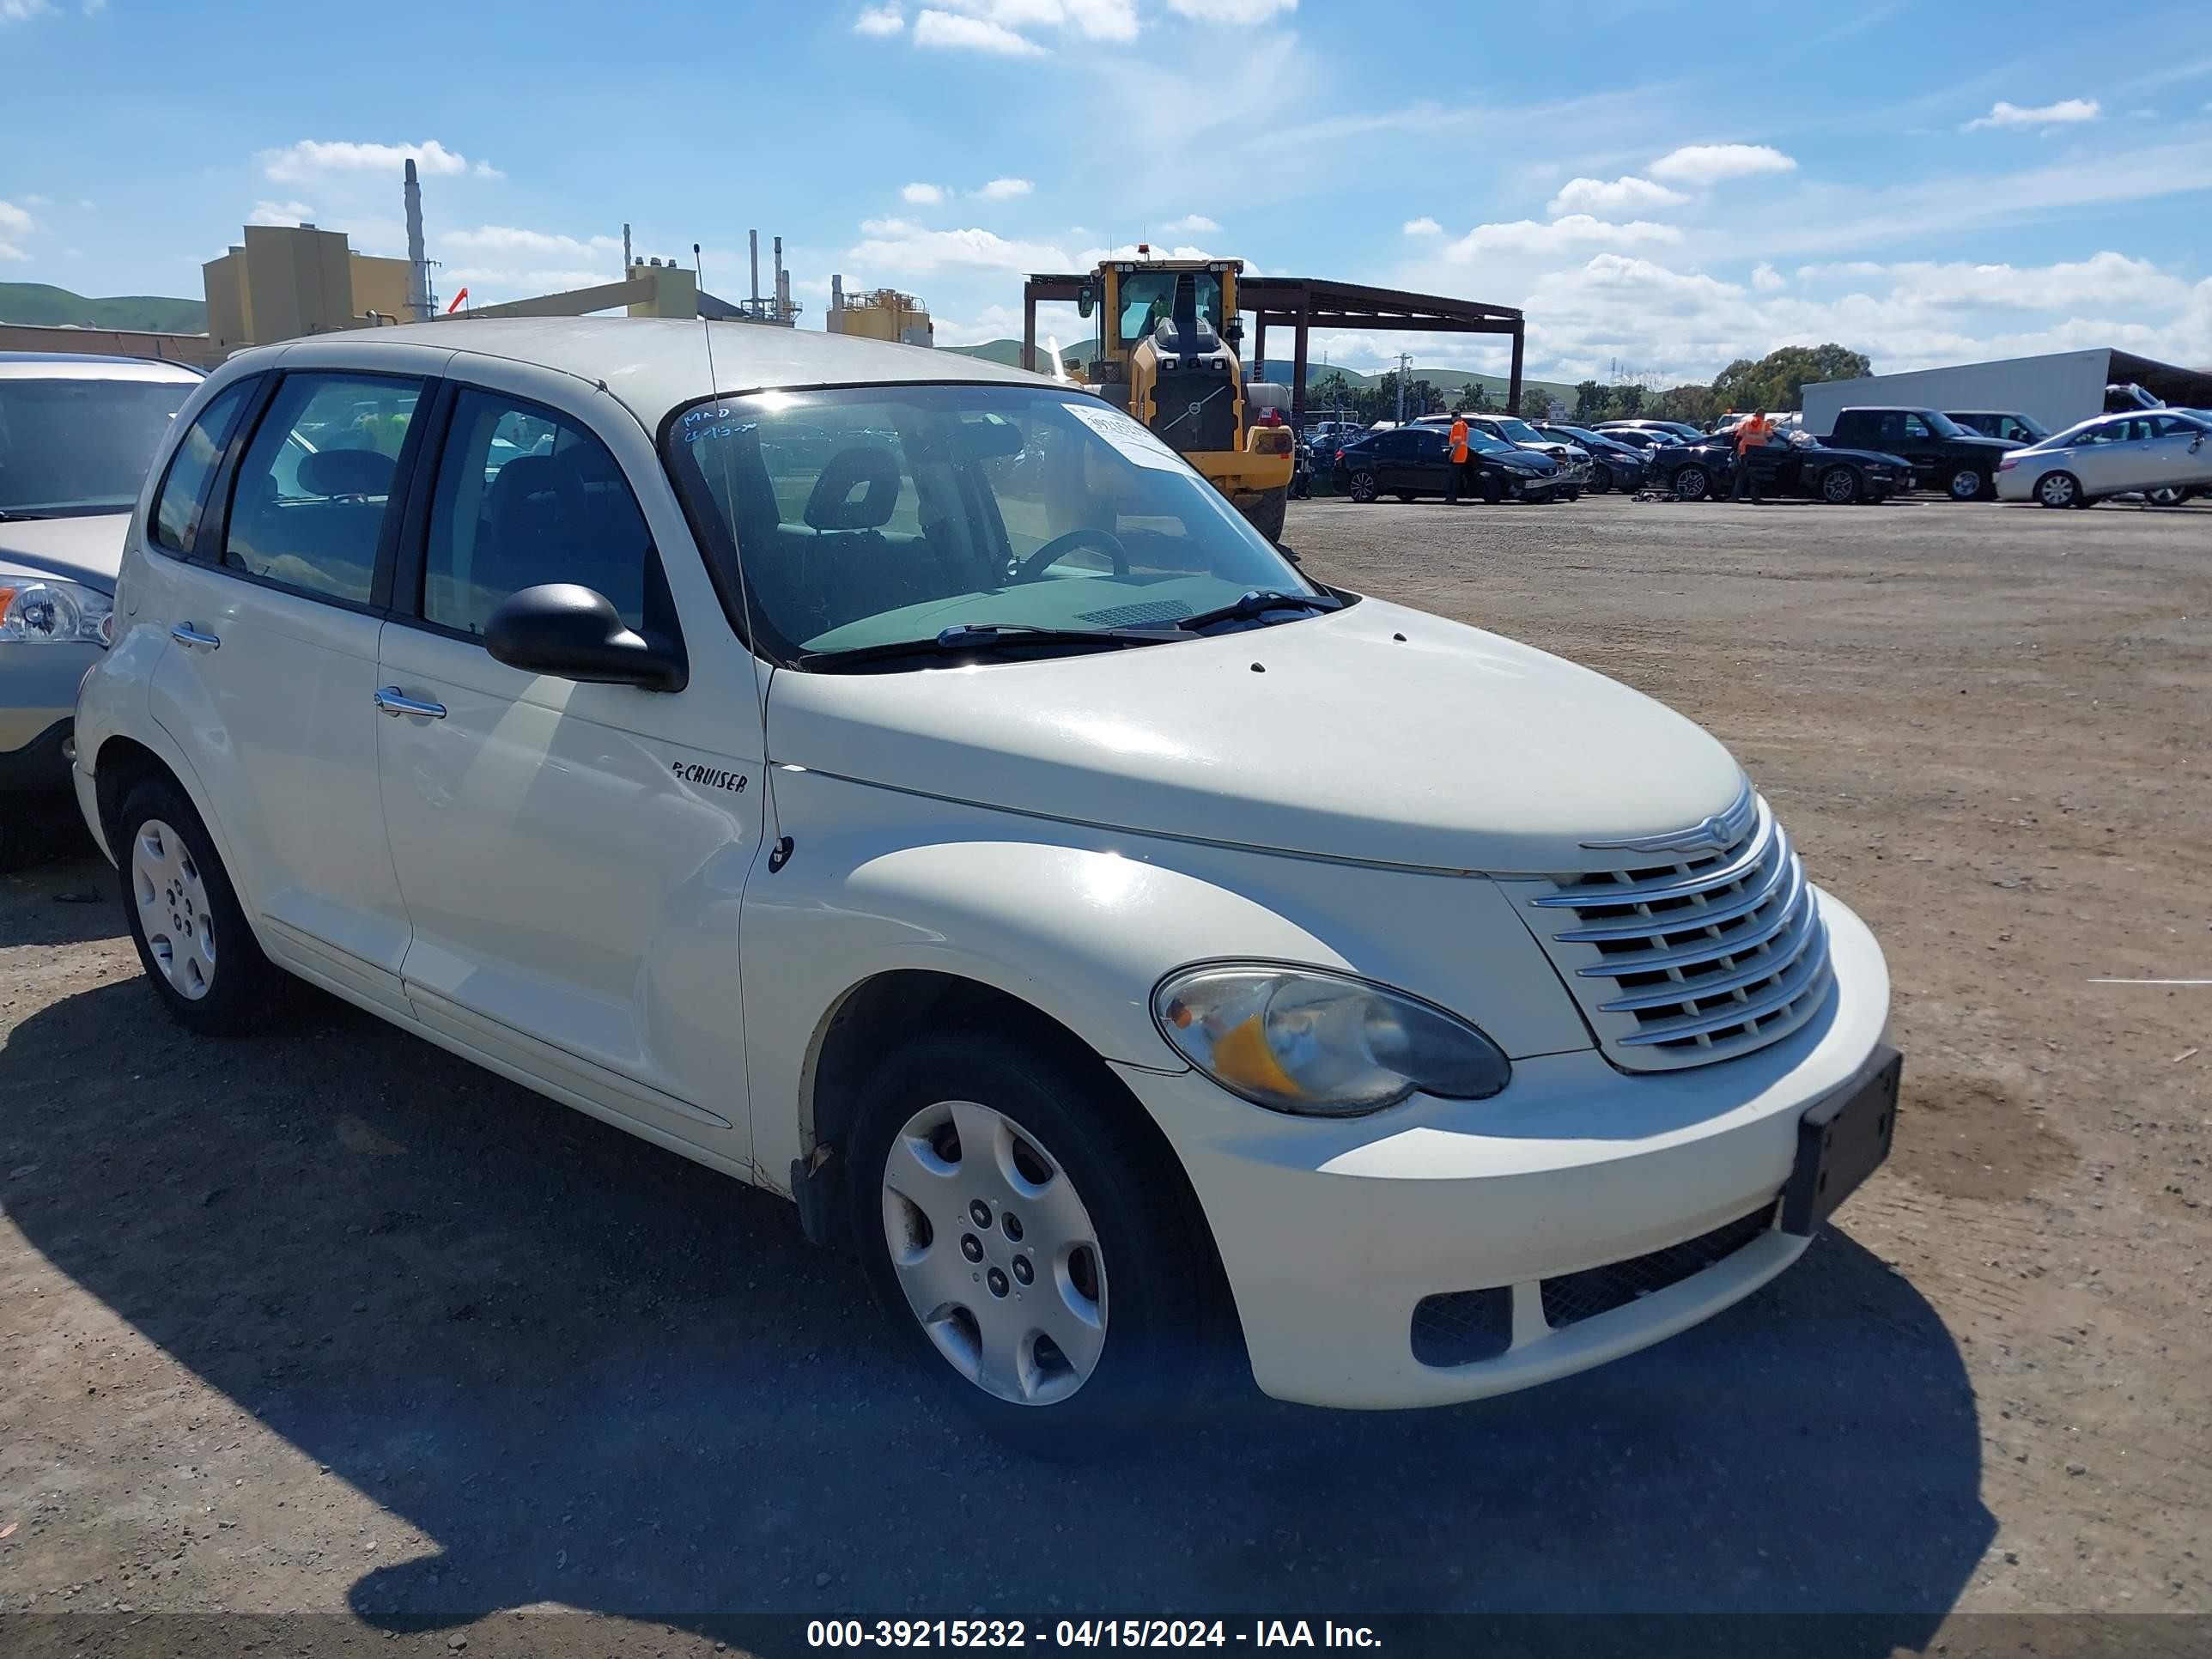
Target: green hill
[1009,352]
[42,305]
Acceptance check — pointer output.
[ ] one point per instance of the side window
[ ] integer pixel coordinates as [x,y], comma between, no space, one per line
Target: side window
[1890,429]
[525,497]
[1429,444]
[308,507]
[177,509]
[1915,427]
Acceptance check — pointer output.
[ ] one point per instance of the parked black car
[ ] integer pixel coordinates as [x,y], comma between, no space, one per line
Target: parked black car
[1614,464]
[1643,431]
[1411,461]
[2001,424]
[1796,464]
[1944,455]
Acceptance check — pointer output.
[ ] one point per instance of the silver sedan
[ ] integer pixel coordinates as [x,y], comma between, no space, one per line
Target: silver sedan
[2111,455]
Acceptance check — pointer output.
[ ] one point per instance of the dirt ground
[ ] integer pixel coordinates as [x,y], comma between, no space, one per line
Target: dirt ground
[333,1323]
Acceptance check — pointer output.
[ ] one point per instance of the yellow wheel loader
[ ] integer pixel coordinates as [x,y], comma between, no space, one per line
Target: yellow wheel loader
[1165,349]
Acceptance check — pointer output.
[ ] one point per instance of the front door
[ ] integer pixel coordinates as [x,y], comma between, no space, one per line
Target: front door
[571,855]
[267,683]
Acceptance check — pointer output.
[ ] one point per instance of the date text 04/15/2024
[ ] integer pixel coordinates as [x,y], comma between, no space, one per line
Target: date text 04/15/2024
[1085,1633]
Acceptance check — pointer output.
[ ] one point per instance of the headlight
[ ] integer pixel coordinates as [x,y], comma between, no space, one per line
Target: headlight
[1321,1044]
[53,613]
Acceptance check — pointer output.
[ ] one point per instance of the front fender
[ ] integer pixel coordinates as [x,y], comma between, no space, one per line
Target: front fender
[1081,924]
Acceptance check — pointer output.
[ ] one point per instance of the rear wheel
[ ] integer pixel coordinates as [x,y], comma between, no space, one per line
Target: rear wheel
[1364,487]
[199,954]
[1025,1231]
[1266,511]
[1839,486]
[2169,495]
[2058,490]
[1692,484]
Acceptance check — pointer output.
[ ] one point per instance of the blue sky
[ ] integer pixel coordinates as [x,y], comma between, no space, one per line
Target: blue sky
[1927,182]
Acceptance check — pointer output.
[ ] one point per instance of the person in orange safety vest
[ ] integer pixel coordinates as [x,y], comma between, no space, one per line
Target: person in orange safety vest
[1750,435]
[1458,460]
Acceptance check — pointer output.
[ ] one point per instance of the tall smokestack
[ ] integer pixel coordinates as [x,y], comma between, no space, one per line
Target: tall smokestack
[779,278]
[837,292]
[752,240]
[625,253]
[418,263]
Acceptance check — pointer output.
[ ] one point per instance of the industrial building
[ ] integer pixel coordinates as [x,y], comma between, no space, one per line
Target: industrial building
[883,314]
[2057,388]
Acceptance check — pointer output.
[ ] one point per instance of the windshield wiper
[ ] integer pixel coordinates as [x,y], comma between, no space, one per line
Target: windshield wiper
[1258,602]
[966,638]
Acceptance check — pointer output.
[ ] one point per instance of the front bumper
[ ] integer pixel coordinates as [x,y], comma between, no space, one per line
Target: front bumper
[38,700]
[1332,1232]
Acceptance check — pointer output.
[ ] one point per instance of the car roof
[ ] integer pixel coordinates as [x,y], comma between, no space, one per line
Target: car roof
[89,366]
[656,364]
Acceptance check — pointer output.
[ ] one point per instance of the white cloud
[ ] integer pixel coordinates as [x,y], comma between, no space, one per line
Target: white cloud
[1424,226]
[1232,11]
[509,239]
[281,212]
[923,194]
[311,155]
[880,19]
[959,32]
[93,8]
[2105,279]
[899,247]
[9,250]
[1628,194]
[20,12]
[1574,231]
[1766,279]
[14,219]
[37,201]
[1197,223]
[2066,113]
[1005,190]
[1708,164]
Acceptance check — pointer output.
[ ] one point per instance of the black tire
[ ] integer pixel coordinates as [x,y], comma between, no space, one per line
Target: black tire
[1491,489]
[1692,484]
[246,991]
[2059,489]
[1968,483]
[1572,493]
[1363,487]
[1266,512]
[1161,1287]
[1600,480]
[1404,497]
[1841,486]
[2167,495]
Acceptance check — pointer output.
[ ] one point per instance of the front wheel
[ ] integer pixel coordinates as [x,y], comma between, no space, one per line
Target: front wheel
[1839,486]
[1692,484]
[1025,1228]
[1966,484]
[1601,481]
[2058,490]
[1363,487]
[1572,493]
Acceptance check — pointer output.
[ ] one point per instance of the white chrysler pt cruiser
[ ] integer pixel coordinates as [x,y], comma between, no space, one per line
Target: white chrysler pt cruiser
[902,784]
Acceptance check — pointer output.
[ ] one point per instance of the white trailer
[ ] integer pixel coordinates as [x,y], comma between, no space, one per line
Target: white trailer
[2058,389]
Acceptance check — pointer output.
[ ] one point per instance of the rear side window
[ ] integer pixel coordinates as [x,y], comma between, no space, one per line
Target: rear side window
[525,497]
[309,505]
[184,491]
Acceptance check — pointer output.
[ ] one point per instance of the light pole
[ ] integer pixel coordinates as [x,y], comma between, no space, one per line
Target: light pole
[1404,359]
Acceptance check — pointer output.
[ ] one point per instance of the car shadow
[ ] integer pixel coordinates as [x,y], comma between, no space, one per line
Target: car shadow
[69,899]
[598,1376]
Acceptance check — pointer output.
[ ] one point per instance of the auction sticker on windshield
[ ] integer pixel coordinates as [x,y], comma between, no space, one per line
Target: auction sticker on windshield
[1134,440]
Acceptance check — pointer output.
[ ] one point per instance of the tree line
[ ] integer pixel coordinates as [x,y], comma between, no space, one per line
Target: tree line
[1775,383]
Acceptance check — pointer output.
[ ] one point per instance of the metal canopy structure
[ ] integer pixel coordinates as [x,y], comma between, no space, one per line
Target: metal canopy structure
[1302,304]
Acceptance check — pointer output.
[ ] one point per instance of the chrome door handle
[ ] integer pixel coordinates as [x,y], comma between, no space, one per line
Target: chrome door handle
[394,701]
[185,633]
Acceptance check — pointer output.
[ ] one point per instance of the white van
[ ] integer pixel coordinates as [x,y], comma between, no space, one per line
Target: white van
[902,784]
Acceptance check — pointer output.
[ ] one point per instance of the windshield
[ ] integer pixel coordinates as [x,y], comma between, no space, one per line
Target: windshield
[1477,439]
[1944,427]
[878,514]
[1519,431]
[1148,296]
[71,448]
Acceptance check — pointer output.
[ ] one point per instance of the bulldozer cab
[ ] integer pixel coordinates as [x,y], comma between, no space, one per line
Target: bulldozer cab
[1130,298]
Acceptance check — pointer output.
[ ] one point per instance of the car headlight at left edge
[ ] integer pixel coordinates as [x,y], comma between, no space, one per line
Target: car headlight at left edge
[1316,1043]
[47,610]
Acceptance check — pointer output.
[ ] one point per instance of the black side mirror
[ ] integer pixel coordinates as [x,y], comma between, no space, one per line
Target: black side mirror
[571,631]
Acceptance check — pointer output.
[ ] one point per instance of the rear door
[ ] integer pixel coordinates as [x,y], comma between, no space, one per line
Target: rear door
[571,855]
[1428,460]
[266,686]
[2180,452]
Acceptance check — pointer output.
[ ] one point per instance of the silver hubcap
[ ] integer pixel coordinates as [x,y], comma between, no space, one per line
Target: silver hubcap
[1965,485]
[995,1252]
[1690,484]
[173,909]
[2058,490]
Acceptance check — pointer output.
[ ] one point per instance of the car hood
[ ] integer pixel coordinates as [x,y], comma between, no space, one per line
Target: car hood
[1377,733]
[1865,457]
[1994,446]
[85,549]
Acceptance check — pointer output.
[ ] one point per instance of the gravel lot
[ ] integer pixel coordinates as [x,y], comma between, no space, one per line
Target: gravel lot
[331,1321]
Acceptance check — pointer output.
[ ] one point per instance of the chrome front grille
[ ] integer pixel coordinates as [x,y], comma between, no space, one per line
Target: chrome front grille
[1709,944]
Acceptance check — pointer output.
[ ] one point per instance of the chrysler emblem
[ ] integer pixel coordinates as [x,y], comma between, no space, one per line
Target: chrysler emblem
[1714,834]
